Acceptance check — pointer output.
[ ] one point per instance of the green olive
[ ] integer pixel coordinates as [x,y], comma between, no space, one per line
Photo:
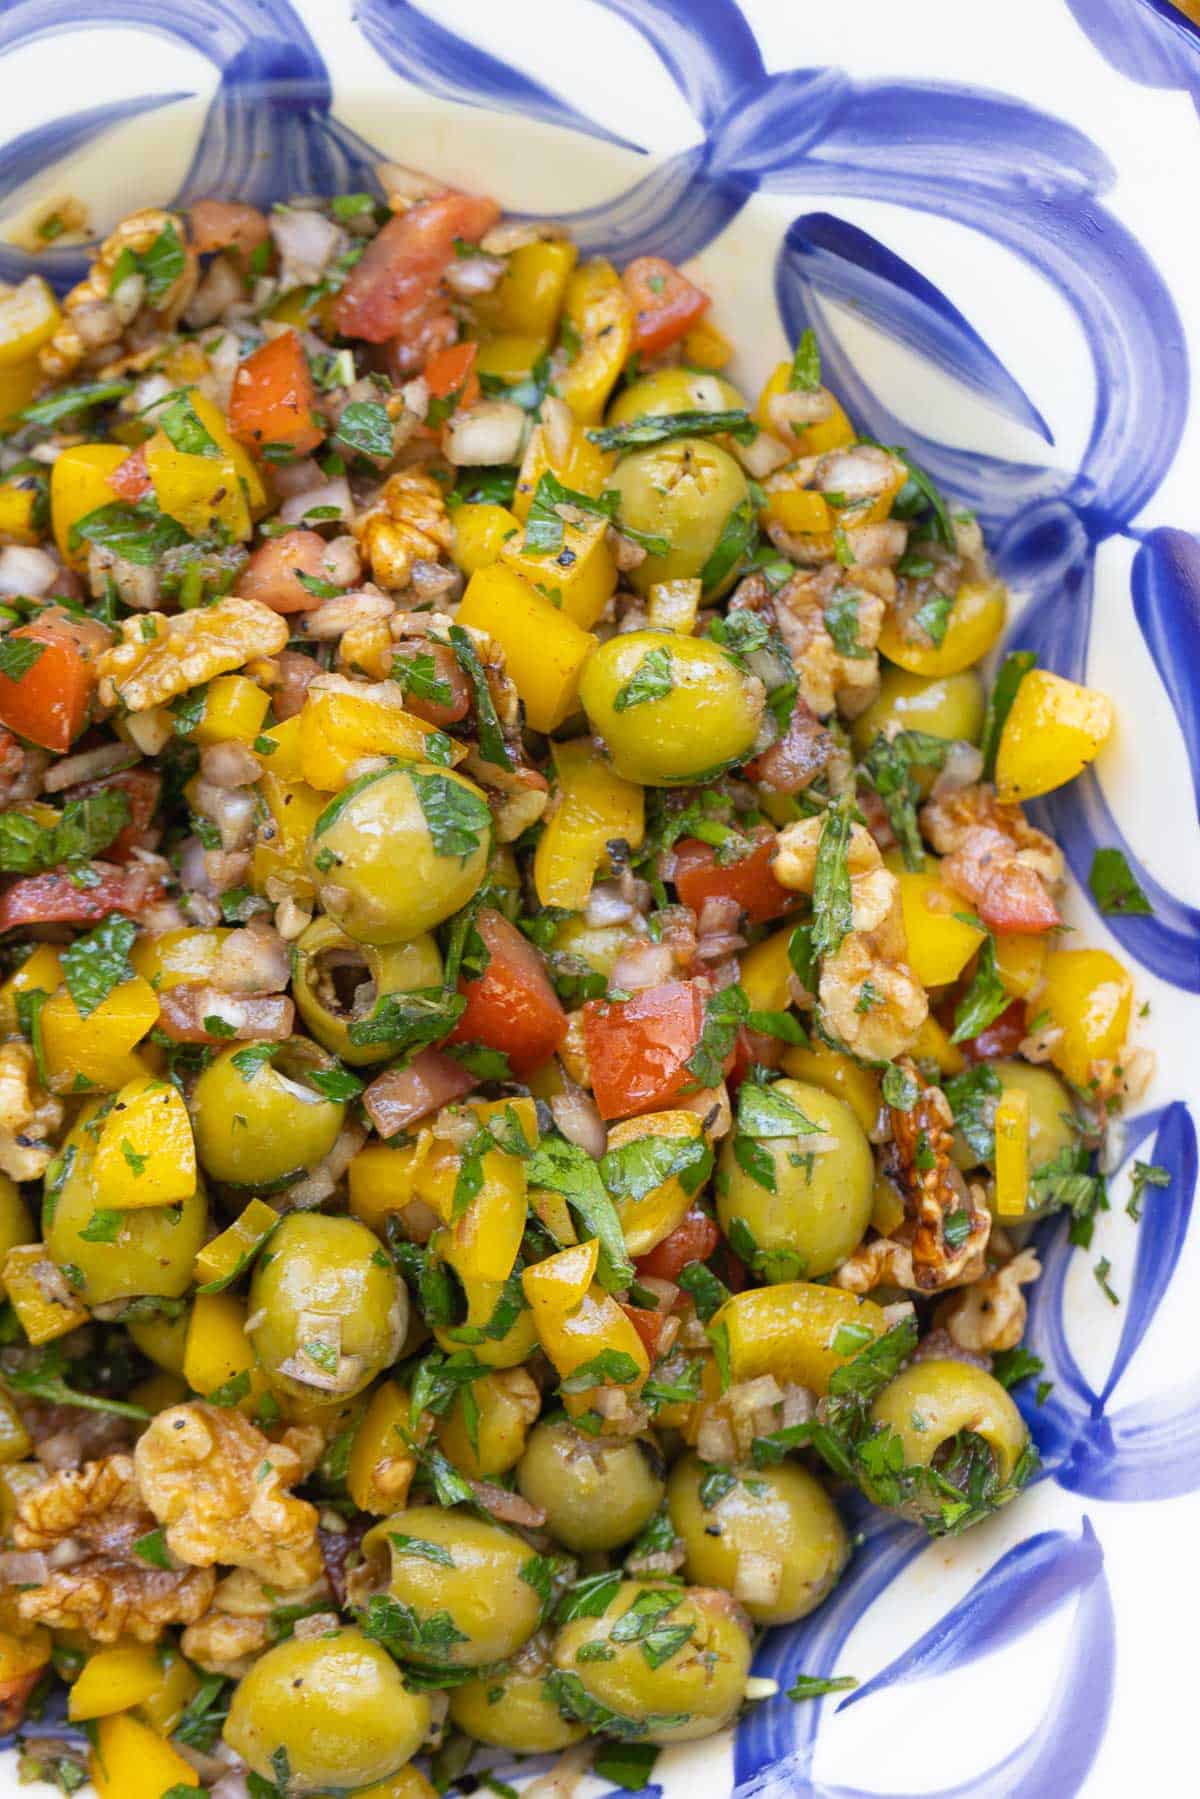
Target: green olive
[782,1517]
[107,1256]
[337,983]
[949,706]
[332,1310]
[935,1402]
[672,391]
[259,1120]
[696,1688]
[597,1492]
[700,711]
[1051,1115]
[16,1220]
[399,851]
[325,1714]
[462,1581]
[685,491]
[511,1709]
[820,1207]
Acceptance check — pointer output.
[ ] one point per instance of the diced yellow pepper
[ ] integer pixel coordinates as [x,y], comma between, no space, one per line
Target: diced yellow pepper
[480,532]
[595,807]
[797,1331]
[704,347]
[833,433]
[41,970]
[41,1317]
[79,485]
[15,1442]
[114,1680]
[544,650]
[23,1654]
[198,492]
[99,1046]
[529,295]
[159,1391]
[293,808]
[575,1320]
[146,1155]
[602,314]
[1012,1153]
[800,511]
[29,317]
[582,468]
[339,726]
[225,1257]
[481,1244]
[939,944]
[646,1221]
[767,973]
[673,605]
[1054,729]
[214,422]
[1020,961]
[218,1348]
[579,580]
[130,1761]
[519,1340]
[510,356]
[381,1182]
[933,1045]
[188,954]
[234,710]
[549,1206]
[503,1402]
[16,510]
[837,1074]
[162,1340]
[18,385]
[560,1282]
[1088,994]
[975,622]
[887,1208]
[284,760]
[177,1686]
[382,1465]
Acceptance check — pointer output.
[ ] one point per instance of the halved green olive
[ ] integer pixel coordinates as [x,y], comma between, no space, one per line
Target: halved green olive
[259,1117]
[670,708]
[337,983]
[674,390]
[461,1579]
[597,1492]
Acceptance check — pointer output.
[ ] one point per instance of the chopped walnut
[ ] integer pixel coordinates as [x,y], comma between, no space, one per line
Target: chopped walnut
[73,339]
[238,1627]
[407,524]
[160,657]
[219,1486]
[29,1117]
[990,1315]
[108,1591]
[827,678]
[993,856]
[935,1191]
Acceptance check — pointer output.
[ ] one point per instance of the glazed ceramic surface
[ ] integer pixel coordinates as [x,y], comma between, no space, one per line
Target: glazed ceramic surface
[989,216]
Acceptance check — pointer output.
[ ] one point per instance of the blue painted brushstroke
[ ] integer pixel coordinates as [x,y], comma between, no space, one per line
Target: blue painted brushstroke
[1151,42]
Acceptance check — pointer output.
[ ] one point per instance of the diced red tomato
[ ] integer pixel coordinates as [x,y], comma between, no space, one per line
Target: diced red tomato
[130,480]
[666,304]
[452,371]
[512,1006]
[1003,1037]
[49,703]
[393,290]
[693,1240]
[648,1325]
[274,400]
[56,899]
[446,670]
[637,1048]
[699,876]
[141,787]
[1007,894]
[227,225]
[271,573]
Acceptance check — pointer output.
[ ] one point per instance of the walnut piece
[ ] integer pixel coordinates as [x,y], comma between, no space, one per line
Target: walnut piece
[109,1591]
[160,657]
[29,1118]
[220,1488]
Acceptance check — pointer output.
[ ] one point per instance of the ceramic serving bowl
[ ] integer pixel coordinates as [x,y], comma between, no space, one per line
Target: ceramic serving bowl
[988,215]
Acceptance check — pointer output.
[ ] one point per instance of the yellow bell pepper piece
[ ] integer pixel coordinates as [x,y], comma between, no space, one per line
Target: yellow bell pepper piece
[1054,729]
[544,650]
[887,1209]
[382,1465]
[560,1282]
[480,533]
[17,1479]
[380,1181]
[1012,1153]
[198,492]
[529,295]
[481,1244]
[78,485]
[594,808]
[797,1331]
[549,1206]
[188,954]
[16,509]
[162,1340]
[218,1349]
[41,970]
[837,1074]
[583,468]
[177,1686]
[1088,994]
[23,1654]
[284,760]
[15,1441]
[601,312]
[575,1321]
[234,710]
[646,1221]
[975,623]
[704,347]
[339,726]
[245,467]
[504,1402]
[41,1317]
[673,605]
[939,944]
[159,1391]
[99,1046]
[800,511]
[483,1297]
[510,356]
[1020,962]
[293,808]
[933,1045]
[833,433]
[114,1680]
[224,1258]
[130,1761]
[18,386]
[580,580]
[29,317]
[767,973]
[146,1155]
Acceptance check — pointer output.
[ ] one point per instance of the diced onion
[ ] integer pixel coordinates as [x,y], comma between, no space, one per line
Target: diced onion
[487,435]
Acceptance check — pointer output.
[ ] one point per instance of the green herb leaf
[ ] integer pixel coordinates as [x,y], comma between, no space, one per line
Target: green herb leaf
[136,533]
[69,402]
[984,999]
[96,963]
[83,829]
[650,680]
[832,904]
[627,1765]
[180,422]
[492,746]
[18,655]
[611,1368]
[806,365]
[764,1112]
[841,622]
[417,675]
[162,264]
[737,535]
[152,1548]
[408,1021]
[634,1170]
[422,1549]
[1145,1174]
[972,1096]
[708,1293]
[365,428]
[567,1169]
[925,494]
[104,1226]
[458,818]
[590,1597]
[813,1686]
[661,427]
[1114,886]
[1011,673]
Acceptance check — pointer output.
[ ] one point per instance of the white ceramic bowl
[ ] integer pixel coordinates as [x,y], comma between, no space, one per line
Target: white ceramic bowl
[989,216]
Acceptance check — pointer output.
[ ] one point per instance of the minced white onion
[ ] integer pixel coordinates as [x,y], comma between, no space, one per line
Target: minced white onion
[471,275]
[486,435]
[962,768]
[757,1579]
[89,765]
[326,494]
[24,569]
[762,455]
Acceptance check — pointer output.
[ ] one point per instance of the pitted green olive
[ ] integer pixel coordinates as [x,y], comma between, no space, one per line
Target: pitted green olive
[949,706]
[671,391]
[700,1677]
[461,1581]
[337,983]
[810,1208]
[936,1405]
[259,1117]
[511,1709]
[684,490]
[399,851]
[333,1711]
[670,708]
[110,1255]
[331,1310]
[774,1538]
[597,1492]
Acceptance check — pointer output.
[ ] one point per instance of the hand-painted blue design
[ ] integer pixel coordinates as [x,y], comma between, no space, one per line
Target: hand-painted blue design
[1152,43]
[775,1751]
[1166,603]
[1150,1449]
